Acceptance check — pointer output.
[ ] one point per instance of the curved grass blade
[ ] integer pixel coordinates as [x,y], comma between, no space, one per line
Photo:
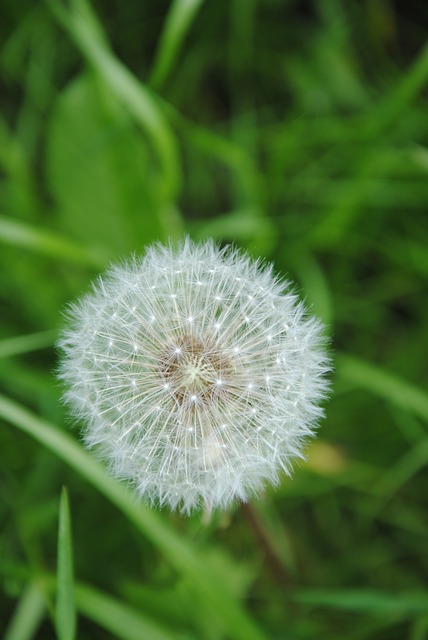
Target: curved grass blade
[119,619]
[367,601]
[27,615]
[395,103]
[177,23]
[24,344]
[46,243]
[83,26]
[391,388]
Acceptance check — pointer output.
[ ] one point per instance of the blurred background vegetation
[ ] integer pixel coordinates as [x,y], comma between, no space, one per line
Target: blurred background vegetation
[299,131]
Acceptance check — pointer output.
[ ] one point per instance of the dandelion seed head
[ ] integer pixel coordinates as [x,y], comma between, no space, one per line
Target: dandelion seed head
[198,374]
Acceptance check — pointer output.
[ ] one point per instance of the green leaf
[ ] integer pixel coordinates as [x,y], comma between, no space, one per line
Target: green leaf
[86,31]
[175,549]
[27,616]
[99,171]
[65,615]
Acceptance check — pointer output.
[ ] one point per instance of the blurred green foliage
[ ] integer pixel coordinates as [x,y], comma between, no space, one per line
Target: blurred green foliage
[299,131]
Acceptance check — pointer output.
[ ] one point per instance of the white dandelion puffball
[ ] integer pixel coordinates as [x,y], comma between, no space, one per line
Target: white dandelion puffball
[197,374]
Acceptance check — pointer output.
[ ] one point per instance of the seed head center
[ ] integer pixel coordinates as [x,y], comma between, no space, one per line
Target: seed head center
[195,374]
[193,370]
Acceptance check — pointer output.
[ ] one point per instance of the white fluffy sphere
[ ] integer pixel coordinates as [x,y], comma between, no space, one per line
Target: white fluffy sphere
[197,374]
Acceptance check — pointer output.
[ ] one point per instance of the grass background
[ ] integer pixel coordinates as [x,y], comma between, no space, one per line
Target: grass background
[299,131]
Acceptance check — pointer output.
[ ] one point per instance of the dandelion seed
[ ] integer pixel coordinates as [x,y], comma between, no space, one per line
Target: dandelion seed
[191,410]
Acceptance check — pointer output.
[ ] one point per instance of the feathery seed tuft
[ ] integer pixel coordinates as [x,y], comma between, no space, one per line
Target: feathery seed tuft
[197,373]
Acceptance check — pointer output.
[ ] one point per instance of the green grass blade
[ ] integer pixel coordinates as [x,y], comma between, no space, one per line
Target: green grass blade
[24,344]
[27,616]
[400,473]
[420,629]
[395,103]
[180,554]
[241,225]
[366,601]
[391,388]
[65,614]
[225,151]
[396,476]
[121,620]
[46,243]
[177,23]
[315,285]
[84,28]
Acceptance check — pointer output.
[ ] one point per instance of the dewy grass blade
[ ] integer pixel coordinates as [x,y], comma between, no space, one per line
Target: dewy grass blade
[391,388]
[180,554]
[65,614]
[177,23]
